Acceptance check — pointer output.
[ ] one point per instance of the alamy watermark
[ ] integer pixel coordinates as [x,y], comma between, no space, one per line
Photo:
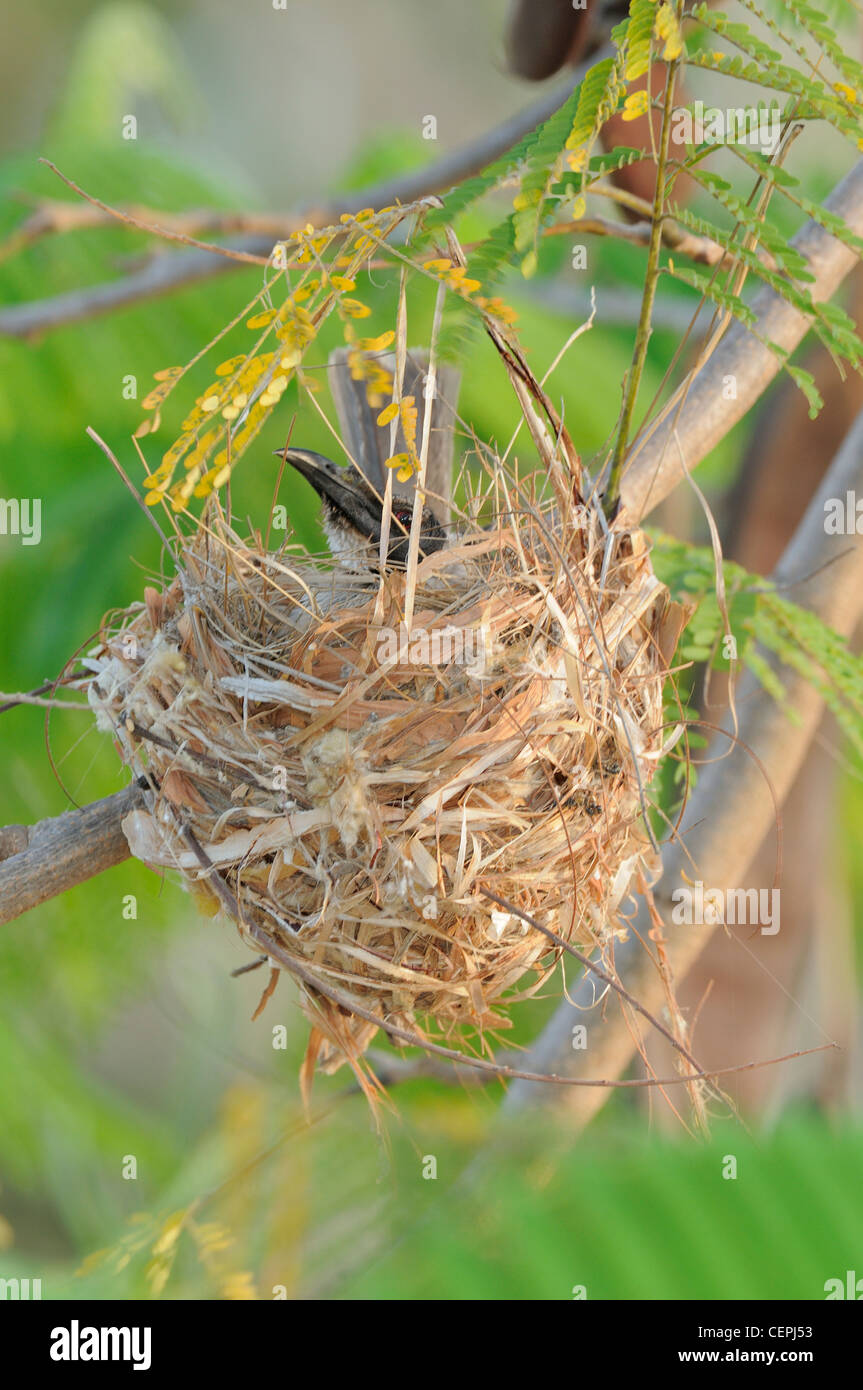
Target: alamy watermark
[77,1343]
[698,906]
[697,124]
[843,516]
[21,516]
[20,1289]
[438,646]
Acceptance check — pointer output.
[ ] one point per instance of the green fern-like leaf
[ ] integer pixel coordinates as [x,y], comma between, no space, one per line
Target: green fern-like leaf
[805,381]
[818,27]
[713,291]
[831,325]
[815,100]
[528,153]
[462,320]
[642,17]
[789,187]
[787,258]
[598,99]
[594,91]
[764,623]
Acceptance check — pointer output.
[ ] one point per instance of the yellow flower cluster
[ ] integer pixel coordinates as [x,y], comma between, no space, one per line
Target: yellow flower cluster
[667,28]
[378,380]
[496,307]
[235,405]
[455,277]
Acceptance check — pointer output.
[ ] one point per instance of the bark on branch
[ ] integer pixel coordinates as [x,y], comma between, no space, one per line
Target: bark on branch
[39,861]
[653,467]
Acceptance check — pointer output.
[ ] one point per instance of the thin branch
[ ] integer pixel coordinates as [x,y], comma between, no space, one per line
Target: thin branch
[166,233]
[651,278]
[348,1003]
[57,216]
[174,270]
[594,968]
[45,859]
[700,249]
[30,697]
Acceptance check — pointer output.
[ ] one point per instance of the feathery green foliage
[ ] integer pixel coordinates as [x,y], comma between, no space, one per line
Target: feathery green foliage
[550,173]
[764,624]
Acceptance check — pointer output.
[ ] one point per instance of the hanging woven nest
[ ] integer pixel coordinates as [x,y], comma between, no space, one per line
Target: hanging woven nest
[351,788]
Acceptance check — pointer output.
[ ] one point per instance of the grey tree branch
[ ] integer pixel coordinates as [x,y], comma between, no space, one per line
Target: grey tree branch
[171,270]
[39,861]
[653,467]
[731,810]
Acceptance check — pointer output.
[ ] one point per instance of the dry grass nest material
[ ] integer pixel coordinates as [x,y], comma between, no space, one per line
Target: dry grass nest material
[355,805]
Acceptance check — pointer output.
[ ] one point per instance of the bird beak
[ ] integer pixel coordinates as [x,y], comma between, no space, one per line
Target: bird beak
[337,485]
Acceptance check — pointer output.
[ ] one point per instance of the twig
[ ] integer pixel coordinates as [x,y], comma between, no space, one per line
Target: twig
[56,854]
[56,216]
[594,968]
[30,697]
[167,233]
[696,248]
[651,277]
[10,701]
[294,966]
[171,270]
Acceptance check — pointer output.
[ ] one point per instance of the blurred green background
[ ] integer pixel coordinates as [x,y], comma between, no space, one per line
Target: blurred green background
[123,1037]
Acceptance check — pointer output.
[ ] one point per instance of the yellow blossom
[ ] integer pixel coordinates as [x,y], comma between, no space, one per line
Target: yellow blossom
[356,309]
[667,28]
[378,344]
[261,320]
[498,308]
[636,104]
[402,464]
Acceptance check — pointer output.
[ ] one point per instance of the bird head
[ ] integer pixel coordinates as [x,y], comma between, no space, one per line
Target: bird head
[352,513]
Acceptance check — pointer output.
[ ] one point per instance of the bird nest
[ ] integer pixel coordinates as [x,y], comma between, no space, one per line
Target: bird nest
[355,782]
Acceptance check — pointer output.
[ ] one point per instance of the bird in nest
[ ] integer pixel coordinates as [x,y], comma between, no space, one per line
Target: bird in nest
[352,497]
[352,514]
